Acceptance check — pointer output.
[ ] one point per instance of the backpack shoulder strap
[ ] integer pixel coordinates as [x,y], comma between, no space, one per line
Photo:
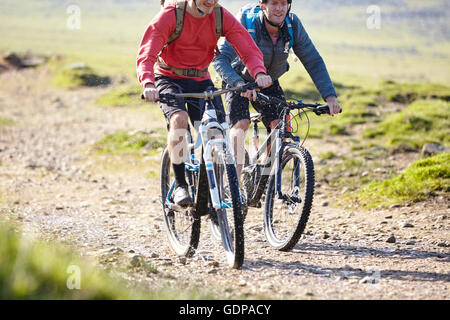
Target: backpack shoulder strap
[291,31]
[219,21]
[180,11]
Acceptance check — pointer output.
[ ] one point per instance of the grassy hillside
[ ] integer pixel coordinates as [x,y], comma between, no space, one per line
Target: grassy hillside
[412,44]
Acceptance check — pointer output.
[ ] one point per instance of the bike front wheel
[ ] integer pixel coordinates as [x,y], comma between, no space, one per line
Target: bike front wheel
[286,215]
[182,227]
[229,219]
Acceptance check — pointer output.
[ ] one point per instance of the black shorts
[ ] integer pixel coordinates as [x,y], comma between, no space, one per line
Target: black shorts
[195,107]
[237,106]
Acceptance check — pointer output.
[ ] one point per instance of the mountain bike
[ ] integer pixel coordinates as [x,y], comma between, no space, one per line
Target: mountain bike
[212,182]
[287,177]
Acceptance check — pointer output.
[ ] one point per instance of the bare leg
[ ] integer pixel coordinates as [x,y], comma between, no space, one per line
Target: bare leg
[237,136]
[176,139]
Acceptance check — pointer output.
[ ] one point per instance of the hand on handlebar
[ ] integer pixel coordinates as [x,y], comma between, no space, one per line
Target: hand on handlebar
[333,105]
[150,93]
[263,80]
[250,94]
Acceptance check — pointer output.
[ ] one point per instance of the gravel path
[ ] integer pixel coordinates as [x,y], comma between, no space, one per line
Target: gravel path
[55,188]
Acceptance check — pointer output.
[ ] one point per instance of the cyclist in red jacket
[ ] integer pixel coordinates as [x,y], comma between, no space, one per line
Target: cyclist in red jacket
[181,66]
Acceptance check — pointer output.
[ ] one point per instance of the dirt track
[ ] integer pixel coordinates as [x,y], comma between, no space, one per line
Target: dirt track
[53,186]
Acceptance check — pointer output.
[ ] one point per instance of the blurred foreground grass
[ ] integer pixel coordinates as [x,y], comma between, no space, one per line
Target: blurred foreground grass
[33,269]
[37,270]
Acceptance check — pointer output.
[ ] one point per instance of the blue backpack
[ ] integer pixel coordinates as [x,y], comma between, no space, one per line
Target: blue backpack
[250,14]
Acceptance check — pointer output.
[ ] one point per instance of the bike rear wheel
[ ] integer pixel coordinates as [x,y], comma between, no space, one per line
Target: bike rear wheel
[228,221]
[285,219]
[182,226]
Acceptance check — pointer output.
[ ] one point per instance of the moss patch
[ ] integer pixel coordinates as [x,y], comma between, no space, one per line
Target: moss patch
[422,179]
[79,76]
[122,97]
[410,92]
[122,142]
[424,121]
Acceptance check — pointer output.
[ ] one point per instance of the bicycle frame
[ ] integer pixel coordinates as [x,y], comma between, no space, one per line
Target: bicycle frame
[279,135]
[199,169]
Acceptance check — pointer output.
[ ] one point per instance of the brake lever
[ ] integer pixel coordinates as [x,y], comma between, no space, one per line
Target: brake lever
[249,86]
[263,96]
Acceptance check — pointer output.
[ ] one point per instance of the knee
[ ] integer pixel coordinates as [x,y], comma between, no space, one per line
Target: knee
[179,120]
[241,125]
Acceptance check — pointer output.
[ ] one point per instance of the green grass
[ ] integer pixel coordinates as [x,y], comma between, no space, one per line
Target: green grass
[410,92]
[363,105]
[424,121]
[327,155]
[5,122]
[123,142]
[421,180]
[122,97]
[83,76]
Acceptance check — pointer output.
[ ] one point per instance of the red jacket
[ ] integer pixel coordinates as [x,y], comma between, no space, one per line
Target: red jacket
[194,49]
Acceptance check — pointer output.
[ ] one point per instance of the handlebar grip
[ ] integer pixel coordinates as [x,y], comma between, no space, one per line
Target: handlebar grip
[324,109]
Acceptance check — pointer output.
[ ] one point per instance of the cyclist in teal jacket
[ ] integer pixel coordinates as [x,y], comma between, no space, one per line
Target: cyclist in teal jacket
[273,37]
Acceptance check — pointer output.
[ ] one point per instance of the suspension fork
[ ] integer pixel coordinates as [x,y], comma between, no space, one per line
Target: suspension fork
[222,145]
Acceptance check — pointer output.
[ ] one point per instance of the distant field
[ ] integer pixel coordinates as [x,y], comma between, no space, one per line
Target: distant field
[412,44]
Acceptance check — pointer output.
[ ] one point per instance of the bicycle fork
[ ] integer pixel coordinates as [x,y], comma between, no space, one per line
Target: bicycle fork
[209,147]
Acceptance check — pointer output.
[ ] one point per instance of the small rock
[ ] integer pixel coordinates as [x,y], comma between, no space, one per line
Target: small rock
[182,260]
[395,205]
[212,271]
[242,283]
[154,255]
[407,225]
[410,243]
[365,174]
[116,250]
[325,236]
[136,261]
[443,245]
[366,280]
[325,204]
[391,239]
[344,190]
[388,217]
[77,66]
[433,148]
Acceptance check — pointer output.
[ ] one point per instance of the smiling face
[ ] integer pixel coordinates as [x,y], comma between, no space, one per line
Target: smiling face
[275,10]
[207,6]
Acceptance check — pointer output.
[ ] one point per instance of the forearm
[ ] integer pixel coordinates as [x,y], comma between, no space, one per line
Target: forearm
[222,65]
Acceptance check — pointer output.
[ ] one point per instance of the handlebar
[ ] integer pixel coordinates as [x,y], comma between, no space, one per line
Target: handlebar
[317,108]
[207,95]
